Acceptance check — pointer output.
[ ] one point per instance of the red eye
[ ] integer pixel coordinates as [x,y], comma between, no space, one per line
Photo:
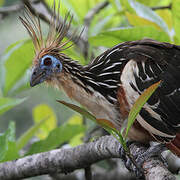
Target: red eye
[47,61]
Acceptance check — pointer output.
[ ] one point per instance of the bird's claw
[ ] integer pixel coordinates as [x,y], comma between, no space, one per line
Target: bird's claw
[135,163]
[130,162]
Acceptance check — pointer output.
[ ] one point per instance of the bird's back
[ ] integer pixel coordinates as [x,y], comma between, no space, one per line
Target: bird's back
[141,64]
[126,70]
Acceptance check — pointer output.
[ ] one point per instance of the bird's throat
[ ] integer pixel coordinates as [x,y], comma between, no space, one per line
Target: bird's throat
[93,102]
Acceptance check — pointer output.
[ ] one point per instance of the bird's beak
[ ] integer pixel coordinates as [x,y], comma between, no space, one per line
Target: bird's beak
[38,76]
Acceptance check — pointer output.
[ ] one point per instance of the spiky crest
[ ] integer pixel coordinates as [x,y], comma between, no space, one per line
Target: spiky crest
[53,42]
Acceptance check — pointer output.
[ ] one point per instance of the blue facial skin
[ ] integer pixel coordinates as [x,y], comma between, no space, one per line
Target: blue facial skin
[54,64]
[47,67]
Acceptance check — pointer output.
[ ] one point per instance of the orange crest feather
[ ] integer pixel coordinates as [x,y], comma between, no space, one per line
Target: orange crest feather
[57,31]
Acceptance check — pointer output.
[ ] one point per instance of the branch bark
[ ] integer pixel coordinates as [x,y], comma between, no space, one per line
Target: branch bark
[68,160]
[11,9]
[118,173]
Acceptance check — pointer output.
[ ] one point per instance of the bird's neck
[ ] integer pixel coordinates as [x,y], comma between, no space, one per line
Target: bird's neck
[99,76]
[79,84]
[77,74]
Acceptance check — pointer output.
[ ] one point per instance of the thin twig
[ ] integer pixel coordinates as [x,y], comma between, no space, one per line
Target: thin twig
[162,7]
[89,16]
[87,22]
[99,173]
[11,9]
[88,173]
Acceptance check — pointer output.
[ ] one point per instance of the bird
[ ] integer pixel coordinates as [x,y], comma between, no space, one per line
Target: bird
[112,82]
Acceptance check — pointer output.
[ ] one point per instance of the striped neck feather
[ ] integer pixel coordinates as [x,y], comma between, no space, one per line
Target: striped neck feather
[102,75]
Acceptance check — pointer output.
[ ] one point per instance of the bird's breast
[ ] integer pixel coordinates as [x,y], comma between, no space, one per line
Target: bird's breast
[93,102]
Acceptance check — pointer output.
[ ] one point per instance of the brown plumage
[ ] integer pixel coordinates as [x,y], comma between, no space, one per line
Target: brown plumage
[112,82]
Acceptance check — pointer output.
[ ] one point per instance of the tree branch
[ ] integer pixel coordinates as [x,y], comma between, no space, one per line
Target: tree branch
[4,11]
[162,7]
[87,22]
[118,173]
[68,160]
[89,16]
[88,173]
[10,9]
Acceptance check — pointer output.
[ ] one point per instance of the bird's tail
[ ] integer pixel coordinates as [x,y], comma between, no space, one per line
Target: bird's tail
[174,146]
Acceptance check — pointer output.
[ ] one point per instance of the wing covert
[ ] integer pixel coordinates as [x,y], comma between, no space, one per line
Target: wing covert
[150,62]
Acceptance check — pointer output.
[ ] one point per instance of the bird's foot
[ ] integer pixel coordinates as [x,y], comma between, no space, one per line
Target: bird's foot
[134,163]
[152,151]
[130,161]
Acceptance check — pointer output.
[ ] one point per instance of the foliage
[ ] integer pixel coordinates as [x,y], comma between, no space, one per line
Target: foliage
[1,2]
[8,150]
[48,114]
[56,137]
[121,20]
[15,65]
[8,103]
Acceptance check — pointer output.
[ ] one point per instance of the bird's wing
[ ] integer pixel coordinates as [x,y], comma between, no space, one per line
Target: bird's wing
[150,61]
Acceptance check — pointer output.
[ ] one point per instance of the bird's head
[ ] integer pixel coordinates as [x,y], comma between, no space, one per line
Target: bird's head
[47,67]
[48,59]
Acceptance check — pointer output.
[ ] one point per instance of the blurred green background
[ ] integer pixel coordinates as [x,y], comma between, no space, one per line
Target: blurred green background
[11,31]
[117,21]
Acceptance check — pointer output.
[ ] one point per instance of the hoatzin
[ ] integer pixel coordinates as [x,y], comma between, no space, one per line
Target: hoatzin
[110,84]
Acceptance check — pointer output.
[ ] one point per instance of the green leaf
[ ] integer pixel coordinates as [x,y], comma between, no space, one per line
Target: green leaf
[76,140]
[139,104]
[111,18]
[176,19]
[150,3]
[166,15]
[17,60]
[8,150]
[76,119]
[24,138]
[56,137]
[103,122]
[79,13]
[147,13]
[8,103]
[43,111]
[2,77]
[22,84]
[6,56]
[65,6]
[110,127]
[48,143]
[78,109]
[116,5]
[139,21]
[13,45]
[114,37]
[1,2]
[106,124]
[74,54]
